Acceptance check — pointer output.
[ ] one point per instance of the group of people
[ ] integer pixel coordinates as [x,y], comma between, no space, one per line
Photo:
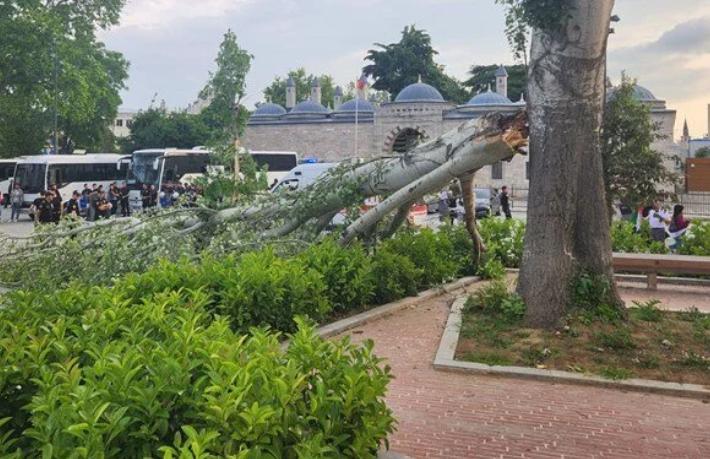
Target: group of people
[665,226]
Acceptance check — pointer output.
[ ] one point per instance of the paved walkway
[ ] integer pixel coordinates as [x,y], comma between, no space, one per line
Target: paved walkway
[451,415]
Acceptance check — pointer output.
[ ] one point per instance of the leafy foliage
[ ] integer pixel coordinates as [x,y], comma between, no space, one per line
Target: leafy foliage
[504,240]
[395,276]
[156,128]
[495,299]
[347,273]
[397,65]
[276,91]
[52,58]
[633,172]
[703,152]
[88,372]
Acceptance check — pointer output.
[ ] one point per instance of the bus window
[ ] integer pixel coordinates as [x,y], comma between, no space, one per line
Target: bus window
[275,161]
[6,170]
[31,177]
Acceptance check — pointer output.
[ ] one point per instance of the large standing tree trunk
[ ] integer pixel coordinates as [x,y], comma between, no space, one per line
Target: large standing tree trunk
[568,224]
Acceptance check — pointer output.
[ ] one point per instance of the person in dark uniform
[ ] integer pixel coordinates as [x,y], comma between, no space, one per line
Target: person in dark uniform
[45,210]
[125,204]
[72,208]
[505,201]
[56,204]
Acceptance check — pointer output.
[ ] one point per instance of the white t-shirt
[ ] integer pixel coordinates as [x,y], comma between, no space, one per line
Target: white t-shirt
[657,218]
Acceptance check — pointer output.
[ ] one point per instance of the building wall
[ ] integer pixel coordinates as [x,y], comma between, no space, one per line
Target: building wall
[121,126]
[326,141]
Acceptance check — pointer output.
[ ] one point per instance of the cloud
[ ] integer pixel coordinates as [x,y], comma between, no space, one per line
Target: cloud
[160,14]
[690,37]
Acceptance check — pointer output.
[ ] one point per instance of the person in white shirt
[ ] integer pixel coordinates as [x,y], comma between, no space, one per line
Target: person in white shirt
[658,219]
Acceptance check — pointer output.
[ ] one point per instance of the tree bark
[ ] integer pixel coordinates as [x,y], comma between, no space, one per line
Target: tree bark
[568,225]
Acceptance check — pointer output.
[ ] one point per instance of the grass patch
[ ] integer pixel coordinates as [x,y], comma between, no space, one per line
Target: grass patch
[651,344]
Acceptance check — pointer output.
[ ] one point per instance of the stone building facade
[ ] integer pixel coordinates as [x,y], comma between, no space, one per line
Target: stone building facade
[359,128]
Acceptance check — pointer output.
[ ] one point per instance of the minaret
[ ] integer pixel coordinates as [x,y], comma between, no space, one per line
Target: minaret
[686,132]
[315,91]
[290,93]
[502,81]
[338,97]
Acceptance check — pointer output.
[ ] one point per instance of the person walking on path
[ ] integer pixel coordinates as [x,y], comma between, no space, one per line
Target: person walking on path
[505,202]
[17,197]
[658,219]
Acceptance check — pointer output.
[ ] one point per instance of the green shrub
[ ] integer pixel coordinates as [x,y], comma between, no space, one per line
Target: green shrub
[429,251]
[592,294]
[648,311]
[462,248]
[87,373]
[504,240]
[346,271]
[495,298]
[395,276]
[492,269]
[697,240]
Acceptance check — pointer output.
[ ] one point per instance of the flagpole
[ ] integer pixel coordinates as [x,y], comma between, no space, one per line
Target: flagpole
[357,103]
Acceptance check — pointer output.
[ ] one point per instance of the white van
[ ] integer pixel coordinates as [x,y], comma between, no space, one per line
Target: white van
[303,175]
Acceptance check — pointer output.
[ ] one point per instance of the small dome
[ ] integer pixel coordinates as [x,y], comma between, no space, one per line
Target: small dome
[362,106]
[269,109]
[489,98]
[643,94]
[308,107]
[419,92]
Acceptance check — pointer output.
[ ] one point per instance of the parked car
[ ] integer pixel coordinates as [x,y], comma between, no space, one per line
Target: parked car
[487,204]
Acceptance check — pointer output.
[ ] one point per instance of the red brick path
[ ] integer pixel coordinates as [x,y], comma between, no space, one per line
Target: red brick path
[451,415]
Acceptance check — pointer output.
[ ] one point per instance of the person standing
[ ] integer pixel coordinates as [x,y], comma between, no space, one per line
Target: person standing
[93,202]
[113,197]
[56,204]
[72,207]
[17,197]
[658,218]
[125,204]
[678,226]
[44,209]
[505,202]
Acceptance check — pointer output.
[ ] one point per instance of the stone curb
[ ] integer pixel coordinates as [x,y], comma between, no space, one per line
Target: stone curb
[444,361]
[641,278]
[341,326]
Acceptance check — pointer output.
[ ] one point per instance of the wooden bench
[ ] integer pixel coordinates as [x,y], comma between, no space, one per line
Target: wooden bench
[651,265]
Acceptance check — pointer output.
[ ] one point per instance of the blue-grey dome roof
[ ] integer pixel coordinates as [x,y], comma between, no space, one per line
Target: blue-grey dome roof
[362,106]
[269,109]
[308,107]
[643,94]
[501,72]
[489,98]
[419,92]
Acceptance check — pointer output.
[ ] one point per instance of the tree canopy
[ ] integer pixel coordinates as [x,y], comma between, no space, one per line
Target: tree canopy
[484,75]
[397,65]
[156,128]
[633,171]
[276,91]
[225,115]
[703,152]
[51,58]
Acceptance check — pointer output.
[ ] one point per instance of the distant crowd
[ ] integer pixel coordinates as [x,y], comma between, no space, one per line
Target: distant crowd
[668,227]
[94,202]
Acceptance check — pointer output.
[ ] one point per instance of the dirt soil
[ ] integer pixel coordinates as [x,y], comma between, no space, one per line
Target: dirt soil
[652,344]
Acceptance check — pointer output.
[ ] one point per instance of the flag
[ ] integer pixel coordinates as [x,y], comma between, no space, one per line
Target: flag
[361,83]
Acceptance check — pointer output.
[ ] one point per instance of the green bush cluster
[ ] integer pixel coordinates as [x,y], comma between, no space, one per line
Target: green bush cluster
[90,372]
[504,240]
[497,300]
[625,239]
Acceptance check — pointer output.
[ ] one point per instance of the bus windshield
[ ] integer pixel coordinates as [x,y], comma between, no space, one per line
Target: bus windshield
[143,170]
[31,177]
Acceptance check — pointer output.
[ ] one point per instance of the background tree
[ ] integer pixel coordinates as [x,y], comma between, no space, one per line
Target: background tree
[155,128]
[633,171]
[483,77]
[703,152]
[52,59]
[225,116]
[276,91]
[568,231]
[397,65]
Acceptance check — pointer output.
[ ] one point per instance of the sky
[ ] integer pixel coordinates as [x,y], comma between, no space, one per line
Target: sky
[172,44]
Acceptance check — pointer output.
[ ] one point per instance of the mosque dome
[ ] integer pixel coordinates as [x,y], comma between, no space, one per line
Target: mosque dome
[269,109]
[308,107]
[643,94]
[362,106]
[419,92]
[489,98]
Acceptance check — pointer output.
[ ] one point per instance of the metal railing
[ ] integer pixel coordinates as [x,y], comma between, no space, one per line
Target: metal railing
[695,203]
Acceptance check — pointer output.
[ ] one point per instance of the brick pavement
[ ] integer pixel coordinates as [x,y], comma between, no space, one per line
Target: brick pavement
[451,415]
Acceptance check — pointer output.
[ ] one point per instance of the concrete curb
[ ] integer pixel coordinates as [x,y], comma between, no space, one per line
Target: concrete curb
[641,278]
[444,361]
[341,326]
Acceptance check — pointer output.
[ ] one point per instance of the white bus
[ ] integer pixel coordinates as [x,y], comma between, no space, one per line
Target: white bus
[68,172]
[161,168]
[7,170]
[279,163]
